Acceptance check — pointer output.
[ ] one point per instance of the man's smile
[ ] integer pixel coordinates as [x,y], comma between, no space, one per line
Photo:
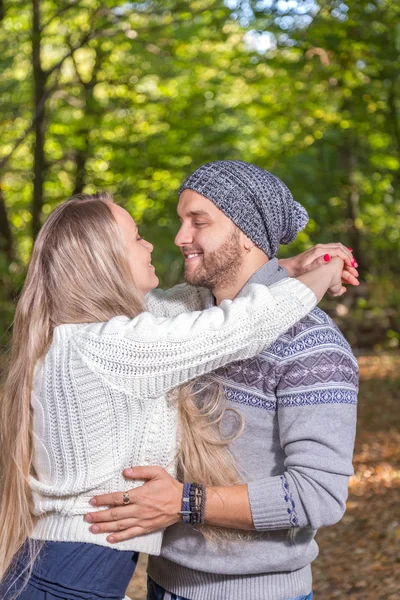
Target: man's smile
[191,256]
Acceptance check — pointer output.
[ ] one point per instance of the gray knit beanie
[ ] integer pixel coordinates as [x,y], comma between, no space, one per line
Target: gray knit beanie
[257,202]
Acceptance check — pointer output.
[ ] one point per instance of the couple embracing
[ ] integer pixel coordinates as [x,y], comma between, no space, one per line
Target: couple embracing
[210,426]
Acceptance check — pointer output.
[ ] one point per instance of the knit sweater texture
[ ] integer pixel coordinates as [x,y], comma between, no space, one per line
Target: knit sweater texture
[298,400]
[100,395]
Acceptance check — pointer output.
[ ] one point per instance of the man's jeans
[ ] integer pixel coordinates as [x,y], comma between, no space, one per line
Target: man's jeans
[156,592]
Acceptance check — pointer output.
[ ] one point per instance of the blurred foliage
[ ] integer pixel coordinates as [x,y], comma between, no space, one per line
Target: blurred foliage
[132,96]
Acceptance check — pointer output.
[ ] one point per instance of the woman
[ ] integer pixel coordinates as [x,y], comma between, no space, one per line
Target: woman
[85,394]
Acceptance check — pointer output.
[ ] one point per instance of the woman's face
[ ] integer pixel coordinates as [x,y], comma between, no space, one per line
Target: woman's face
[139,251]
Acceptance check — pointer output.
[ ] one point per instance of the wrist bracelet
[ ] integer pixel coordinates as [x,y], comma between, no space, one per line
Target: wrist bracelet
[185,509]
[193,503]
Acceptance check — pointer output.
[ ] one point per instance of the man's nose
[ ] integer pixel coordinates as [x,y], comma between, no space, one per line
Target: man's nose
[183,237]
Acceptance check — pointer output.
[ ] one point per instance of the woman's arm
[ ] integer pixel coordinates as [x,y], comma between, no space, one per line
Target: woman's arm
[149,356]
[316,436]
[186,298]
[181,298]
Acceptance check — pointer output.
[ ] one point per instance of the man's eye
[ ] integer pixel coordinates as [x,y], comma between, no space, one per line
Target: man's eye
[198,224]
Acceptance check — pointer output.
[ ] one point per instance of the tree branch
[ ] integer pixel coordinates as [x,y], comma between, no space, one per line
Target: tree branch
[60,63]
[47,94]
[60,11]
[19,141]
[86,38]
[74,61]
[394,120]
[31,127]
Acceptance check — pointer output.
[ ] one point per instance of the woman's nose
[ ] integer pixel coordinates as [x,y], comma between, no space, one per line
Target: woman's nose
[149,246]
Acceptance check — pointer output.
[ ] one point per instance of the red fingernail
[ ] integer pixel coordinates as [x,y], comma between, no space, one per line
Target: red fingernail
[353,263]
[351,249]
[327,257]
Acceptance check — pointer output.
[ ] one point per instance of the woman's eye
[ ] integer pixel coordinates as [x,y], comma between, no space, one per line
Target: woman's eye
[139,238]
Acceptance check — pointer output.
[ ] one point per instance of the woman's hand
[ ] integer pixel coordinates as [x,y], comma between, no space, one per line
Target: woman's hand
[336,287]
[319,255]
[327,278]
[152,506]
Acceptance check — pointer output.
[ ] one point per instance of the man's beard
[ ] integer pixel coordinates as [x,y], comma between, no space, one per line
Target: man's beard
[220,268]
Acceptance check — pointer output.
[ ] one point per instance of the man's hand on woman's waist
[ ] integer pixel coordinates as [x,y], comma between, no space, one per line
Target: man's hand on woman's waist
[157,505]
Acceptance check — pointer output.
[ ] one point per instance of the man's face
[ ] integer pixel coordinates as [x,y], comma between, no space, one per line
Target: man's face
[209,241]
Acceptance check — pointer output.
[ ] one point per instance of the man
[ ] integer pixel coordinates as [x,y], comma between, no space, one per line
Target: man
[298,401]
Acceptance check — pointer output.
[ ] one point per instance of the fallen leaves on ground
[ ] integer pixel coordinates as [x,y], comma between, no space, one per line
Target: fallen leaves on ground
[360,556]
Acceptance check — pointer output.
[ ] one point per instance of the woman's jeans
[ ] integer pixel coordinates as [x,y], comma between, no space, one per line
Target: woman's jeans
[71,571]
[156,592]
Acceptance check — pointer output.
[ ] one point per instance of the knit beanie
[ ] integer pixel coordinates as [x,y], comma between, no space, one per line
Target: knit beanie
[258,202]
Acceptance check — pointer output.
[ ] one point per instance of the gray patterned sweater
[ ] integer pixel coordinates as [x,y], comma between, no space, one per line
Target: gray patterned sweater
[298,399]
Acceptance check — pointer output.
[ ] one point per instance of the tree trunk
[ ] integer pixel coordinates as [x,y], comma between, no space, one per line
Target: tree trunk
[39,118]
[6,240]
[394,125]
[351,196]
[80,162]
[91,110]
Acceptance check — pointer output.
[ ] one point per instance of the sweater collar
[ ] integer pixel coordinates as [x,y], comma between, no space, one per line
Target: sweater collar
[269,273]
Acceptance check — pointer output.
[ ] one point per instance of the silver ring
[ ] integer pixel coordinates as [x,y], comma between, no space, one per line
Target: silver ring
[125,497]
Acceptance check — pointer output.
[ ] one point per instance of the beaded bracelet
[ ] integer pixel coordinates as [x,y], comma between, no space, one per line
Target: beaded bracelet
[193,503]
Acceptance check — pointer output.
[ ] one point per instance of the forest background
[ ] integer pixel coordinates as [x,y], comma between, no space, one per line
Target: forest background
[130,97]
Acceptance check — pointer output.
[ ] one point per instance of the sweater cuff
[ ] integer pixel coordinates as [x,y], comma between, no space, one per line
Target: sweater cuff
[271,504]
[303,294]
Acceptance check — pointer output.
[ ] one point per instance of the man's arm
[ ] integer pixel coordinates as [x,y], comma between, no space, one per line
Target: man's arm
[317,396]
[157,505]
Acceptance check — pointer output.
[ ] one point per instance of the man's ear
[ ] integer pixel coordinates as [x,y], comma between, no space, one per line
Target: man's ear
[246,242]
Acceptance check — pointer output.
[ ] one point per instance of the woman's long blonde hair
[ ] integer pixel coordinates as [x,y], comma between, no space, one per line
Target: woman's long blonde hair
[79,273]
[203,450]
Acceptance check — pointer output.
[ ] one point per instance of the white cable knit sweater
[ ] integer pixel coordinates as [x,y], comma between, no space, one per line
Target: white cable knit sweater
[99,395]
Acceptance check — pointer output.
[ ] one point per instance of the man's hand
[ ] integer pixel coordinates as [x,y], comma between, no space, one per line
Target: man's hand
[319,255]
[155,505]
